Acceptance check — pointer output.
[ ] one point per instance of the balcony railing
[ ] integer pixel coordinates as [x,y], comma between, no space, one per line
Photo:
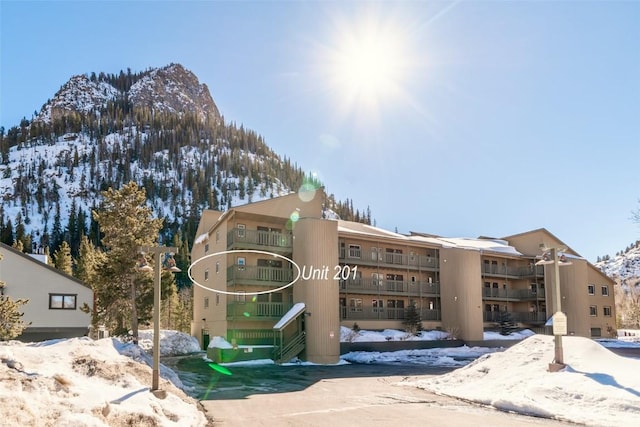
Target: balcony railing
[359,256]
[257,310]
[513,294]
[255,239]
[257,275]
[515,272]
[392,287]
[518,316]
[370,313]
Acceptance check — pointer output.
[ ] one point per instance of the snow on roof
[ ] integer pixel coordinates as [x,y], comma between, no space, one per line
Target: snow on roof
[201,238]
[360,228]
[288,317]
[494,245]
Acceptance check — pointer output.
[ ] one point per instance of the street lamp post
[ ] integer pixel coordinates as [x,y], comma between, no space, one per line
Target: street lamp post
[559,318]
[158,251]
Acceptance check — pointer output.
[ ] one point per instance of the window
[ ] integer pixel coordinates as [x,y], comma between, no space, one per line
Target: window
[605,291]
[240,230]
[596,332]
[206,248]
[206,302]
[355,304]
[377,279]
[206,275]
[606,310]
[217,236]
[241,261]
[591,289]
[62,302]
[593,310]
[378,305]
[354,251]
[217,266]
[241,297]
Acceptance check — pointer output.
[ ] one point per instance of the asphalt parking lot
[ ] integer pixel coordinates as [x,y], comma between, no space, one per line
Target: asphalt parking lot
[343,395]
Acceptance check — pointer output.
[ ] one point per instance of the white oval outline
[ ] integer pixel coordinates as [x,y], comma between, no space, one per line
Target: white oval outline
[255,251]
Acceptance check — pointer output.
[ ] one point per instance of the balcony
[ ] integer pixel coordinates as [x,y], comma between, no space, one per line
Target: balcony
[513,272]
[533,317]
[258,276]
[370,313]
[360,257]
[389,287]
[512,294]
[270,241]
[256,310]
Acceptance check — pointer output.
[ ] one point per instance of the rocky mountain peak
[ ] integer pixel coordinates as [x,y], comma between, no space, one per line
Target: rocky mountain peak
[170,89]
[173,89]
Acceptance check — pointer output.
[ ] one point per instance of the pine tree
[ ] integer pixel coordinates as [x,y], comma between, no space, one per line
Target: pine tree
[121,291]
[412,322]
[89,258]
[62,259]
[507,325]
[11,323]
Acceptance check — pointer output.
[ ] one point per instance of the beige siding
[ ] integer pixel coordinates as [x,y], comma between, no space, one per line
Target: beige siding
[461,292]
[315,246]
[29,279]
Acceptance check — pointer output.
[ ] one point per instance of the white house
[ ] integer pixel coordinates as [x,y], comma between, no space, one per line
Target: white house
[55,298]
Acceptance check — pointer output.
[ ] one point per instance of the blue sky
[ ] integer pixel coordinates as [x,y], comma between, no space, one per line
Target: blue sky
[454,118]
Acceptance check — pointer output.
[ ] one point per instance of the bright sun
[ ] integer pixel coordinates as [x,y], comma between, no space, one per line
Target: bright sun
[368,64]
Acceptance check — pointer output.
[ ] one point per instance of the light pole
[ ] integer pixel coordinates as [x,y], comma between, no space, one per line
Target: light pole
[559,318]
[158,251]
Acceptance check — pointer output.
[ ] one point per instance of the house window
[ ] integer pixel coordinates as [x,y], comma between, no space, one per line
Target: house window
[206,275]
[241,297]
[591,289]
[217,267]
[206,302]
[240,230]
[378,305]
[377,279]
[606,310]
[593,310]
[605,291]
[217,236]
[355,304]
[62,302]
[596,332]
[241,261]
[376,254]
[354,251]
[206,248]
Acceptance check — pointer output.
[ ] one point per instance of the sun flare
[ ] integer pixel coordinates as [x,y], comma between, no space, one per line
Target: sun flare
[368,64]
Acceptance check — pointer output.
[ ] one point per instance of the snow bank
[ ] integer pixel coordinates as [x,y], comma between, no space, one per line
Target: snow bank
[172,343]
[84,382]
[597,387]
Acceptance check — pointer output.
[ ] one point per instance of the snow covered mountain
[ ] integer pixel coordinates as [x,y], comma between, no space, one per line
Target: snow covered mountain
[159,128]
[624,268]
[170,89]
[625,265]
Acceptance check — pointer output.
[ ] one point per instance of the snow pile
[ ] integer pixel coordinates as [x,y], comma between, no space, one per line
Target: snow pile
[349,335]
[84,382]
[172,343]
[517,335]
[446,357]
[597,387]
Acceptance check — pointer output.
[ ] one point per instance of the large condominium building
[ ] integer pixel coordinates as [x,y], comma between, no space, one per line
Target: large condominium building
[245,259]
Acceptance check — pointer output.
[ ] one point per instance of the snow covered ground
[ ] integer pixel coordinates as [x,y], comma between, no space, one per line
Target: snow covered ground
[106,382]
[597,388]
[82,382]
